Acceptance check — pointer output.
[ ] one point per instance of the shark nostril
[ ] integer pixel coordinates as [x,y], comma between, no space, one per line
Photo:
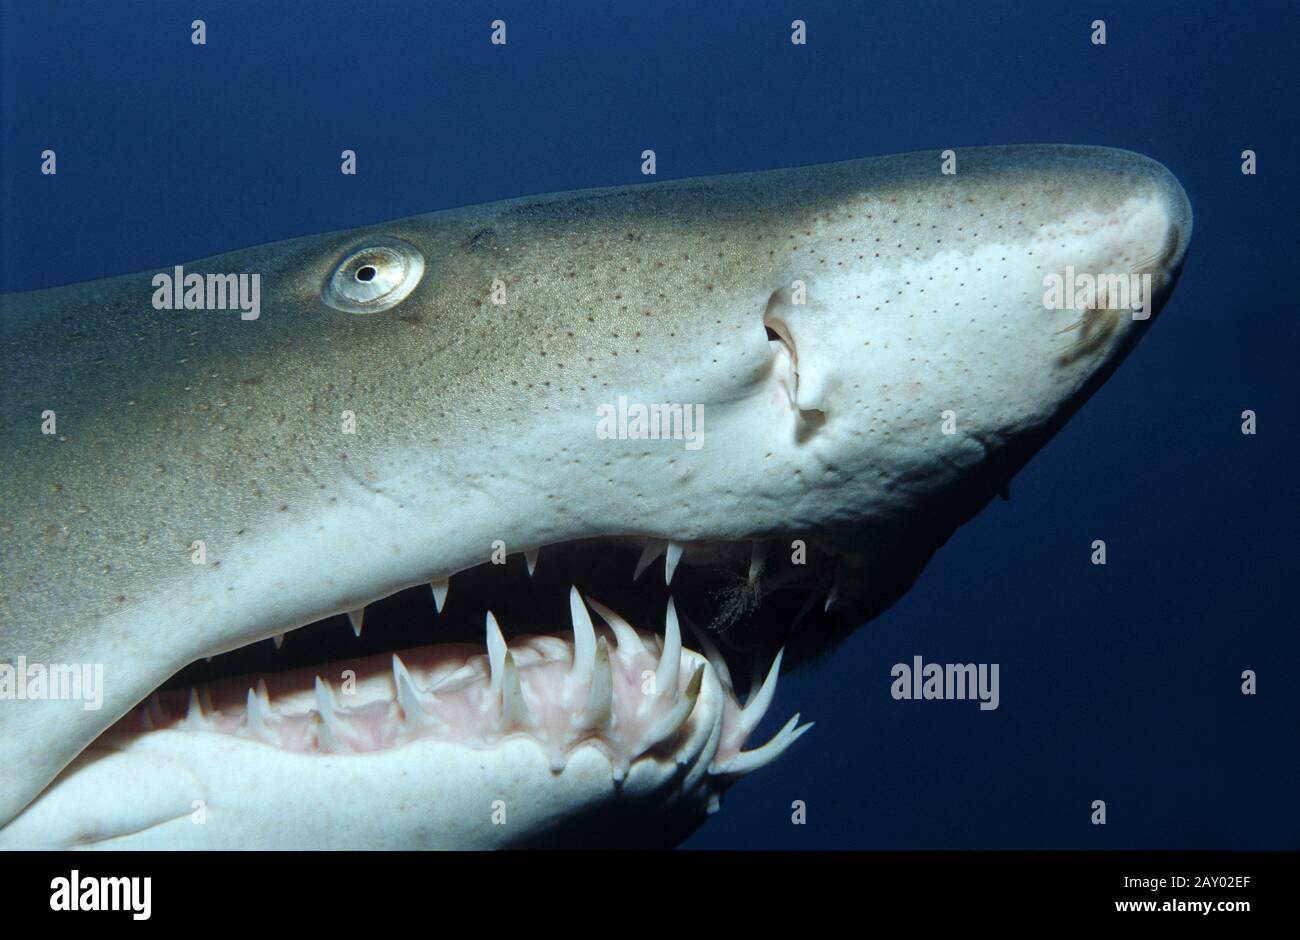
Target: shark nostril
[806,386]
[785,358]
[778,331]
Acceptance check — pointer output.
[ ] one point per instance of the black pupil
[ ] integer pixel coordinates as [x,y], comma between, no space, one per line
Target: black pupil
[366,274]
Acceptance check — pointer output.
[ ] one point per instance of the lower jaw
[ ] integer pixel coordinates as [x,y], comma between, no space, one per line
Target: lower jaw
[738,621]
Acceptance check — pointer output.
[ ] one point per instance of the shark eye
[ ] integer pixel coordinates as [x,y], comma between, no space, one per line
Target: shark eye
[377,276]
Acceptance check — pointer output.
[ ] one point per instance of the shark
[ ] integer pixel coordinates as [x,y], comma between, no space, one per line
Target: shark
[495,527]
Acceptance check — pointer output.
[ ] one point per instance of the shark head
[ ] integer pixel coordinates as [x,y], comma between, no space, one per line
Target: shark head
[584,472]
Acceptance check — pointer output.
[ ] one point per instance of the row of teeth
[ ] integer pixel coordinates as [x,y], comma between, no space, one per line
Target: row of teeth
[414,711]
[670,550]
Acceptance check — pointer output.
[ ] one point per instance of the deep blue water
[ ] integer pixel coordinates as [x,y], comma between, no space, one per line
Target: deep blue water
[1118,683]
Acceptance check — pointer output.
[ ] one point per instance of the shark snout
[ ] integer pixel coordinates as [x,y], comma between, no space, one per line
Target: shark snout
[1109,264]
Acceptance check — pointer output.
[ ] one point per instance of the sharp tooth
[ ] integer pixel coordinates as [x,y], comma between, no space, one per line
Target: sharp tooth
[653,549]
[702,765]
[325,703]
[252,711]
[833,594]
[408,698]
[496,649]
[356,618]
[205,697]
[584,641]
[194,711]
[756,708]
[669,724]
[748,761]
[514,711]
[712,654]
[629,641]
[530,556]
[757,559]
[440,589]
[599,708]
[326,739]
[255,716]
[278,640]
[670,660]
[331,730]
[264,695]
[671,558]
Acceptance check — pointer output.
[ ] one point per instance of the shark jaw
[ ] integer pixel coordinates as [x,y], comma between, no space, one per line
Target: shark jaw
[634,726]
[869,345]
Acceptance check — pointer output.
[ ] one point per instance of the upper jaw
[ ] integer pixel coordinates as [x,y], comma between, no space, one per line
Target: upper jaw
[751,597]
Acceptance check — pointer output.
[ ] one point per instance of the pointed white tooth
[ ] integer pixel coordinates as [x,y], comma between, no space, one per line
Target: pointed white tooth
[670,659]
[653,549]
[408,697]
[496,648]
[757,706]
[514,710]
[833,595]
[329,730]
[325,703]
[205,697]
[255,717]
[278,640]
[264,696]
[757,559]
[530,556]
[326,739]
[696,763]
[712,654]
[194,711]
[357,618]
[629,641]
[748,761]
[668,724]
[672,556]
[440,589]
[331,724]
[599,708]
[584,641]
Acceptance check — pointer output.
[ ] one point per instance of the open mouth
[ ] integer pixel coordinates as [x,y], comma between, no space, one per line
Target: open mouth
[600,641]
